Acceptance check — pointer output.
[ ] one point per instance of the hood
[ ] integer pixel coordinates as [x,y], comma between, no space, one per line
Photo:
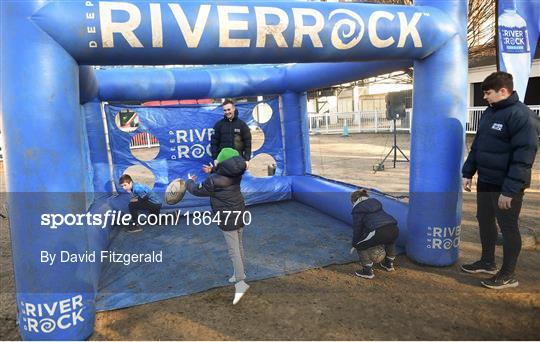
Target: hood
[233,167]
[368,206]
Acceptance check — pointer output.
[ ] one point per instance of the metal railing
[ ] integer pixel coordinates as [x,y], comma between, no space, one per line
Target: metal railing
[376,121]
[334,123]
[143,140]
[329,123]
[368,121]
[473,119]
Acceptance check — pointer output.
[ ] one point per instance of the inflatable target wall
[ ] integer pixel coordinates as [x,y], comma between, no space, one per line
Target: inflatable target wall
[56,155]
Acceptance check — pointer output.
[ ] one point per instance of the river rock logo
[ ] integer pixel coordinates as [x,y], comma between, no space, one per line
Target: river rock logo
[198,151]
[443,237]
[354,24]
[239,20]
[48,317]
[47,325]
[192,143]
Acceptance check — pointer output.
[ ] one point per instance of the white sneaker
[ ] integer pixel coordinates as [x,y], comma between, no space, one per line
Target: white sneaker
[240,289]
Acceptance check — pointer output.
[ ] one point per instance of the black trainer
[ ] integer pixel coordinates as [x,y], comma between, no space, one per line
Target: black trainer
[133,228]
[480,267]
[500,281]
[365,272]
[388,264]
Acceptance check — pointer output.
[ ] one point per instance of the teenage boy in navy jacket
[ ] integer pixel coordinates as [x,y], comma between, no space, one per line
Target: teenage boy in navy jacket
[503,152]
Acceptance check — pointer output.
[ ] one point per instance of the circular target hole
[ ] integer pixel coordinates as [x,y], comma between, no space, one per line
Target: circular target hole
[144,146]
[262,113]
[263,165]
[141,174]
[257,138]
[127,120]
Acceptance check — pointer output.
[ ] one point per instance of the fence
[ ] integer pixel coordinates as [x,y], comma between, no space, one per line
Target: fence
[143,140]
[376,121]
[368,121]
[333,123]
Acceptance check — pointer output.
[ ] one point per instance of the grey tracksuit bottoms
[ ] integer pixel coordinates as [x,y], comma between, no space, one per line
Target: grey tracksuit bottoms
[236,252]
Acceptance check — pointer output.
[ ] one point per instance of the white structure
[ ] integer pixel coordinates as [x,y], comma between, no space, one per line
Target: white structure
[363,109]
[478,74]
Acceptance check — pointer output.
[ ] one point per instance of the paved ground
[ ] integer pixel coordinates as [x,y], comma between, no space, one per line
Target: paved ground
[351,159]
[416,302]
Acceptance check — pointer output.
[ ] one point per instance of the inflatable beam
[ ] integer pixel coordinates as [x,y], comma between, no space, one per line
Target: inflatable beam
[334,199]
[232,81]
[145,32]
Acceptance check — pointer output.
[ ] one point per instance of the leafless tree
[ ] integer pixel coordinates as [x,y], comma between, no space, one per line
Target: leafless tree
[480,26]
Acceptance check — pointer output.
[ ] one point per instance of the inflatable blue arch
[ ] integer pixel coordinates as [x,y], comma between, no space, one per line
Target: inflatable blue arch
[56,155]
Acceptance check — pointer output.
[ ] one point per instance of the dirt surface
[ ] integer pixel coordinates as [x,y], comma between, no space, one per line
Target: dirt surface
[415,302]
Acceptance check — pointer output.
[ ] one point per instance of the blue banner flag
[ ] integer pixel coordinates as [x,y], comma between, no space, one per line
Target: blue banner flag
[518,24]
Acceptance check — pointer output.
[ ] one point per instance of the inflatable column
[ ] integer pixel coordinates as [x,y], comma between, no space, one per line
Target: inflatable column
[46,168]
[98,149]
[95,132]
[437,144]
[294,110]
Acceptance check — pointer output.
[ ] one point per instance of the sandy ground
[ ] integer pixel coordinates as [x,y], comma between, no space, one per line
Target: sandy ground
[415,302]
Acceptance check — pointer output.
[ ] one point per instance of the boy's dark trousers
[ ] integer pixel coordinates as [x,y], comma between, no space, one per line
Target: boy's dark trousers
[386,235]
[487,211]
[136,207]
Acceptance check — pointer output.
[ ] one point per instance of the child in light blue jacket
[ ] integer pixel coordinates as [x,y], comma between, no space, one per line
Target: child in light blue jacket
[142,198]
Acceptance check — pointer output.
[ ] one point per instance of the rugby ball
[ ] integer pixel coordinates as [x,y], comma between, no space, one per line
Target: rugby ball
[376,253]
[175,191]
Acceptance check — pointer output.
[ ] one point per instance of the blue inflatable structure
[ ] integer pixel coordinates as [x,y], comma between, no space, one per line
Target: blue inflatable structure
[55,144]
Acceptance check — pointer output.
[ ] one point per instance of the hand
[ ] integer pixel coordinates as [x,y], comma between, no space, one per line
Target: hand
[505,202]
[467,182]
[207,168]
[133,199]
[192,177]
[247,164]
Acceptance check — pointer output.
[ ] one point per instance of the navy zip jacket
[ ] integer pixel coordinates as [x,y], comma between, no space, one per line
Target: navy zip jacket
[223,188]
[233,133]
[504,148]
[368,216]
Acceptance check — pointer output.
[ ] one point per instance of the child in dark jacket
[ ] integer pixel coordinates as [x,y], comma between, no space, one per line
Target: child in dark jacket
[372,226]
[227,201]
